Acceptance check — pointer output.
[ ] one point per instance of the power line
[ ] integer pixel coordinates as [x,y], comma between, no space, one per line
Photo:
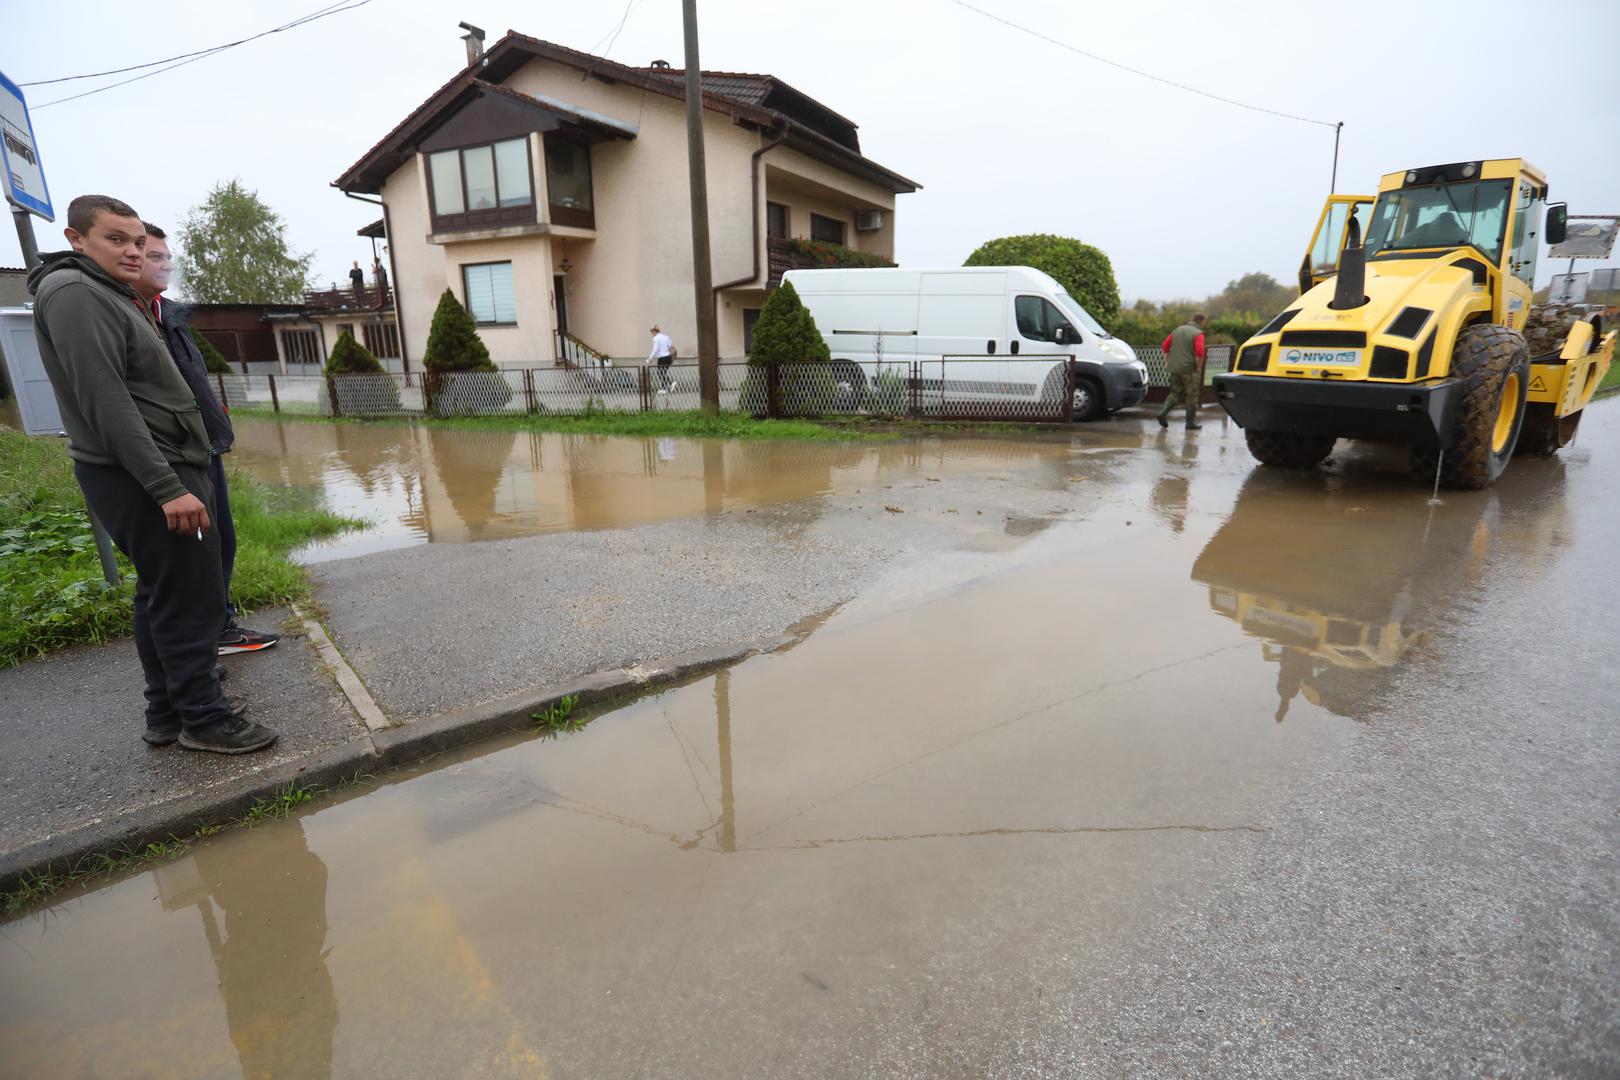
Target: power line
[172,62]
[1139,71]
[613,35]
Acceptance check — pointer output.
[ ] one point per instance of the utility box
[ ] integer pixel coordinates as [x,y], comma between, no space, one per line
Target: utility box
[25,369]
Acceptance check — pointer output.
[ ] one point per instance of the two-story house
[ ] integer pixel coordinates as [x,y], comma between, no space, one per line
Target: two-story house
[547,188]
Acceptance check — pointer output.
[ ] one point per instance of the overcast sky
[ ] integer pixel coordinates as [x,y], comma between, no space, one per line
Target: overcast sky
[1006,133]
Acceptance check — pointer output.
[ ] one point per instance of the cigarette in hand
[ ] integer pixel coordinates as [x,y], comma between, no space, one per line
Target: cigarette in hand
[199,536]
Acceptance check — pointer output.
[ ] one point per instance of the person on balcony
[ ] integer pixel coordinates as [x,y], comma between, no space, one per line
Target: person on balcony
[357,278]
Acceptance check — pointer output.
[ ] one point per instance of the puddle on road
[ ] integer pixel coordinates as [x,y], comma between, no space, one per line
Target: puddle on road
[430,485]
[991,779]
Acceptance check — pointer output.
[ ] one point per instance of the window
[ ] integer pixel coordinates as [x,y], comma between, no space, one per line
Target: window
[1037,318]
[827,230]
[382,340]
[1442,216]
[750,317]
[776,221]
[473,185]
[301,346]
[1527,213]
[568,183]
[490,299]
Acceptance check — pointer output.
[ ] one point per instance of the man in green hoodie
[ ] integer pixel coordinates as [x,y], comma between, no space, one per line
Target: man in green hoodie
[140,452]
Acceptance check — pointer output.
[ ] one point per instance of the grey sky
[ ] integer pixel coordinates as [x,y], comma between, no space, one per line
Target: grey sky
[1006,133]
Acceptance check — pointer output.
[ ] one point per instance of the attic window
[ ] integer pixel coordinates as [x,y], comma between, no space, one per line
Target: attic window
[482,186]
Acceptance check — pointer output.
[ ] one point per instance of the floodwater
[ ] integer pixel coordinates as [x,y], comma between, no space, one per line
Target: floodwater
[422,485]
[1092,806]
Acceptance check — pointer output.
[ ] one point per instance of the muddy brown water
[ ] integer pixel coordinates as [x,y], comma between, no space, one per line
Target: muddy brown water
[993,783]
[429,485]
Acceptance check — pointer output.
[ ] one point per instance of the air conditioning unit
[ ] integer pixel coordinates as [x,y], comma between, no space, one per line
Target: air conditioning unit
[868,220]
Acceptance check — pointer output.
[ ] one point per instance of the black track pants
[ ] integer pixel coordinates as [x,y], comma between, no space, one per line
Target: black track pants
[179,593]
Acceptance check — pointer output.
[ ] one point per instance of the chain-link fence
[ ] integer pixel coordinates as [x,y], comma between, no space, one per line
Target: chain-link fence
[982,387]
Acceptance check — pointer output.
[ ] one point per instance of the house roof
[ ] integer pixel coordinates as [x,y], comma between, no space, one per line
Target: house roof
[395,148]
[760,101]
[374,230]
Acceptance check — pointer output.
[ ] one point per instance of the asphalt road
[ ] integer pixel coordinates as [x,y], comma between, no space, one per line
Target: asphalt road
[1207,772]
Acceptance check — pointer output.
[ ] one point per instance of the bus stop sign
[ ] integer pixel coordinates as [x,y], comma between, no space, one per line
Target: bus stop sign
[21,174]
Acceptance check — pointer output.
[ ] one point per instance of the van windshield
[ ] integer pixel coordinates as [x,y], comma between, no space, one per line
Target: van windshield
[1080,315]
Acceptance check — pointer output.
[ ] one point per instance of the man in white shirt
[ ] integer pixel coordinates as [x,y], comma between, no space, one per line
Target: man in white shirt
[663,354]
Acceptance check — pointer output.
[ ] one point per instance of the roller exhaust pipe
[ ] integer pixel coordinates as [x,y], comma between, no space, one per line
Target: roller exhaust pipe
[1350,287]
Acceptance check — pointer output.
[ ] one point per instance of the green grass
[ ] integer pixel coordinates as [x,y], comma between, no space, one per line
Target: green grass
[51,591]
[691,425]
[1610,381]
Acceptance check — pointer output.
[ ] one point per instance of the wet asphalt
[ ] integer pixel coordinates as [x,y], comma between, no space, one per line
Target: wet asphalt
[1118,759]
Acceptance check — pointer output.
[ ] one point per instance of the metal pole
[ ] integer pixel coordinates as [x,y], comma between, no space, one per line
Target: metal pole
[702,273]
[104,545]
[1333,185]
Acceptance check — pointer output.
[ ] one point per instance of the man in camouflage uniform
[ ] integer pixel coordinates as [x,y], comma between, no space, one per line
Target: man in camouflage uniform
[1184,356]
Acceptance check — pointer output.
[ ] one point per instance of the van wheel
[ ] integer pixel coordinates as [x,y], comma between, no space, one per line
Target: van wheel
[1088,400]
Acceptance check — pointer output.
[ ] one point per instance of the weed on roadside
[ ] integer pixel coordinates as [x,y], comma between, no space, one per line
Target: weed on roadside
[277,806]
[38,888]
[559,716]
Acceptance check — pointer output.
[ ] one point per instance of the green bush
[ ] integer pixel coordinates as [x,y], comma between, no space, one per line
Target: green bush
[369,396]
[213,359]
[462,379]
[349,357]
[786,331]
[803,389]
[453,343]
[1084,271]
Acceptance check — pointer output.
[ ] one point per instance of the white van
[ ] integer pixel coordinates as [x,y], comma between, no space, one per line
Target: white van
[983,312]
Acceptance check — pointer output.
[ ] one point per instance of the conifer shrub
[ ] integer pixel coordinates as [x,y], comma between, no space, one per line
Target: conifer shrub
[462,379]
[786,337]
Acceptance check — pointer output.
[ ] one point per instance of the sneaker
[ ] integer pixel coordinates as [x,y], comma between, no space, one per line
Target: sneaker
[165,734]
[232,736]
[237,639]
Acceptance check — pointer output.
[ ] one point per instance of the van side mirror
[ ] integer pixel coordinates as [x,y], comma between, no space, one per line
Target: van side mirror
[1557,222]
[1065,335]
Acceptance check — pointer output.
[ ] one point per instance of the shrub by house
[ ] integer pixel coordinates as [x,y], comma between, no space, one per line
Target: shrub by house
[786,339]
[463,380]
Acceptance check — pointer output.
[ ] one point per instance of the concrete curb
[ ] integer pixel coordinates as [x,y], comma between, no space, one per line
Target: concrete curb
[388,748]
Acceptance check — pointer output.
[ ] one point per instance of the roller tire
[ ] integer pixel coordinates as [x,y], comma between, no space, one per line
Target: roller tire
[1484,361]
[1287,449]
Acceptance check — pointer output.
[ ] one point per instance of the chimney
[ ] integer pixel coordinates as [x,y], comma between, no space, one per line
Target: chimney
[474,37]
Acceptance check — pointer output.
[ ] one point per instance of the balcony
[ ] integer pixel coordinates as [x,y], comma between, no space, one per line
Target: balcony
[797,254]
[336,301]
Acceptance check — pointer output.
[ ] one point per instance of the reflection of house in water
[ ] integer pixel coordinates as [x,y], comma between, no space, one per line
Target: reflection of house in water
[1344,585]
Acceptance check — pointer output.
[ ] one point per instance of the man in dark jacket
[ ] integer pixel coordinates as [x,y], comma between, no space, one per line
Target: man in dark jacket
[172,322]
[140,452]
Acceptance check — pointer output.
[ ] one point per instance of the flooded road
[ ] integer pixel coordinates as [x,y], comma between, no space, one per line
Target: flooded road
[421,485]
[1215,771]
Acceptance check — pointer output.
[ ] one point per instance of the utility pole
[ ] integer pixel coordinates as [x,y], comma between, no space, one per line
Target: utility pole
[1333,185]
[702,274]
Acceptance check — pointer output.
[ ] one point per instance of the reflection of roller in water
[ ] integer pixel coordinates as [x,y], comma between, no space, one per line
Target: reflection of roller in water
[1343,583]
[279,1002]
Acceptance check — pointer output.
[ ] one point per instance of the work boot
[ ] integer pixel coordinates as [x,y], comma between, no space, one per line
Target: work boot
[1163,422]
[166,732]
[233,735]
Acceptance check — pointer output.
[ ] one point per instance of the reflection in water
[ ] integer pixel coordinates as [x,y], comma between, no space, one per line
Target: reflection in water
[1343,584]
[435,485]
[269,955]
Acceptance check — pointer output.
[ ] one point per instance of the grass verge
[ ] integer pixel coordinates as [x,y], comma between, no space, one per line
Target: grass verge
[40,888]
[690,425]
[51,590]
